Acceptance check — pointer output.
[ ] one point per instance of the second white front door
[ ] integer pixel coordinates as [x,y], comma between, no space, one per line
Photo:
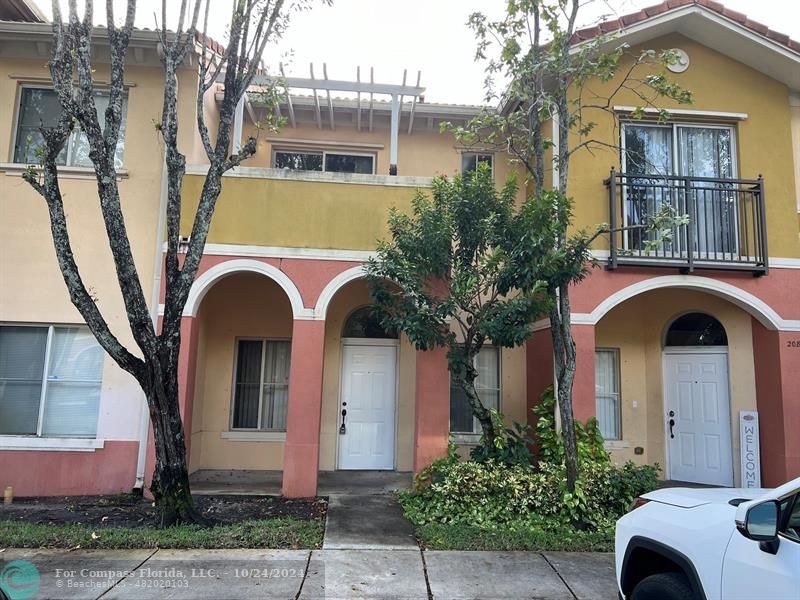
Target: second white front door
[367,407]
[698,419]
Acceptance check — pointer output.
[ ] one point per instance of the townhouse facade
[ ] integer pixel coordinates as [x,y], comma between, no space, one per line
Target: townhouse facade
[283,366]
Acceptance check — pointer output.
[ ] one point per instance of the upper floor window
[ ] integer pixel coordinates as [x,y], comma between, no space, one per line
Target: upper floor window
[332,162]
[39,107]
[471,160]
[679,149]
[261,391]
[50,380]
[487,384]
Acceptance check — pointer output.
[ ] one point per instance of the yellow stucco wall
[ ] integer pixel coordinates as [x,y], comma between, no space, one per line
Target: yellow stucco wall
[718,83]
[636,328]
[297,214]
[795,107]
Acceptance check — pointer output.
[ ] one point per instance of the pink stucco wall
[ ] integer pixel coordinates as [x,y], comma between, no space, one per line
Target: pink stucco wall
[107,470]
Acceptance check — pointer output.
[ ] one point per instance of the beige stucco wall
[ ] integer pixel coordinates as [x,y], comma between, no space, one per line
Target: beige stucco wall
[31,286]
[352,296]
[421,154]
[242,305]
[636,328]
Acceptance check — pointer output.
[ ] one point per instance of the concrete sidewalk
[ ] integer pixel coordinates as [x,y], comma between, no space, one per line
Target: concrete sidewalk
[303,574]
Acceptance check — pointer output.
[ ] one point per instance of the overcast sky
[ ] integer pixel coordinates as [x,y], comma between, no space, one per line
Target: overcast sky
[426,35]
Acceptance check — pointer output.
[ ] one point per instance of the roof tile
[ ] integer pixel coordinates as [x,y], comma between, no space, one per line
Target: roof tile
[667,5]
[735,15]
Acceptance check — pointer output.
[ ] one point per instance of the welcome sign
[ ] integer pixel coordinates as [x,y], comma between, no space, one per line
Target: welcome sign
[750,449]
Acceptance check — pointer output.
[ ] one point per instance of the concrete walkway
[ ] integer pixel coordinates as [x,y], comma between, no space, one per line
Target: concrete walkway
[367,523]
[330,574]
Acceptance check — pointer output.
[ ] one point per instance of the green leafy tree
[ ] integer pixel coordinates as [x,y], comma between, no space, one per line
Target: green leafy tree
[558,79]
[447,277]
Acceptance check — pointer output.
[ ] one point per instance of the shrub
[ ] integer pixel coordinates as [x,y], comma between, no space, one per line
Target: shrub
[492,495]
[512,446]
[589,441]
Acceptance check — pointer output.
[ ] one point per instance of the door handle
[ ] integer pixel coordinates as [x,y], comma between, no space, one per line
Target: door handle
[343,428]
[671,425]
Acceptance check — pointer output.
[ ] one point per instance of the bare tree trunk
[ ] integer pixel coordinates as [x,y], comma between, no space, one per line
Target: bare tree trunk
[565,361]
[170,486]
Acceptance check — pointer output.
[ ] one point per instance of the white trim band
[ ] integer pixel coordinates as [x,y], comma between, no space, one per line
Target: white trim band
[685,112]
[358,256]
[253,436]
[751,304]
[319,176]
[204,282]
[25,442]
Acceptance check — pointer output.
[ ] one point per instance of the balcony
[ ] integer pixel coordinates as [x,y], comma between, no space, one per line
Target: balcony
[726,226]
[300,209]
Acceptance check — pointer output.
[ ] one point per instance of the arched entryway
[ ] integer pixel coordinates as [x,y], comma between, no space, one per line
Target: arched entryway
[697,400]
[649,350]
[368,393]
[241,392]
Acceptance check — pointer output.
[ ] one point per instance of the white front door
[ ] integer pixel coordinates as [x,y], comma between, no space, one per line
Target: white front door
[368,402]
[698,421]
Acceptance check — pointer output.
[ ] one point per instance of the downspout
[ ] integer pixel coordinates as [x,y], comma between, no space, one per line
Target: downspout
[155,297]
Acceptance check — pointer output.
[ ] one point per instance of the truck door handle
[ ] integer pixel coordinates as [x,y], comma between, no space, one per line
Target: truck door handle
[671,425]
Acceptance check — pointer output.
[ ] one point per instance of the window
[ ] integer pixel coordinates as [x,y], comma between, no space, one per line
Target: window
[38,108]
[471,160]
[365,322]
[332,162]
[488,387]
[792,527]
[261,391]
[652,151]
[696,329]
[50,381]
[607,397]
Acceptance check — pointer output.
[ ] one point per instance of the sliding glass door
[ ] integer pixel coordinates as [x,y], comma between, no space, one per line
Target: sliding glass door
[660,161]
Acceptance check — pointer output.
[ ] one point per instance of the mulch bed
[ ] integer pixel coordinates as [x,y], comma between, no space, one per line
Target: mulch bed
[127,510]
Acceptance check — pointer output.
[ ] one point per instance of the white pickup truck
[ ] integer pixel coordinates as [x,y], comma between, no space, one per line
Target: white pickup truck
[712,543]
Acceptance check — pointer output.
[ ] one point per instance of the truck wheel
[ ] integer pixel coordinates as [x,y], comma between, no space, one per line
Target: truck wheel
[664,586]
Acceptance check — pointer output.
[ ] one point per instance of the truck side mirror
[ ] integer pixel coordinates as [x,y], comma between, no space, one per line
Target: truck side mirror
[761,525]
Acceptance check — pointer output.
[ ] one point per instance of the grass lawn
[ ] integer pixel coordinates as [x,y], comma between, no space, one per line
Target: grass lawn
[280,532]
[462,537]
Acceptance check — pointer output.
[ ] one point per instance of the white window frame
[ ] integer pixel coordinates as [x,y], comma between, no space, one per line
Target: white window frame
[264,341]
[73,136]
[618,368]
[43,394]
[476,432]
[477,154]
[324,154]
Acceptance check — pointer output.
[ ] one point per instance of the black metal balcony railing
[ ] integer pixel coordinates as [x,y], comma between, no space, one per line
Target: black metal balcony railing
[726,226]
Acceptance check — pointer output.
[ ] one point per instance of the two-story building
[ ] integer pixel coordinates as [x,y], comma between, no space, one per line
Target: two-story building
[284,369]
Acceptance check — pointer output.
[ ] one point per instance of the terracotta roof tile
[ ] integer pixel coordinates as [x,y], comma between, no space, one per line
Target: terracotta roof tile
[735,15]
[781,38]
[756,26]
[668,5]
